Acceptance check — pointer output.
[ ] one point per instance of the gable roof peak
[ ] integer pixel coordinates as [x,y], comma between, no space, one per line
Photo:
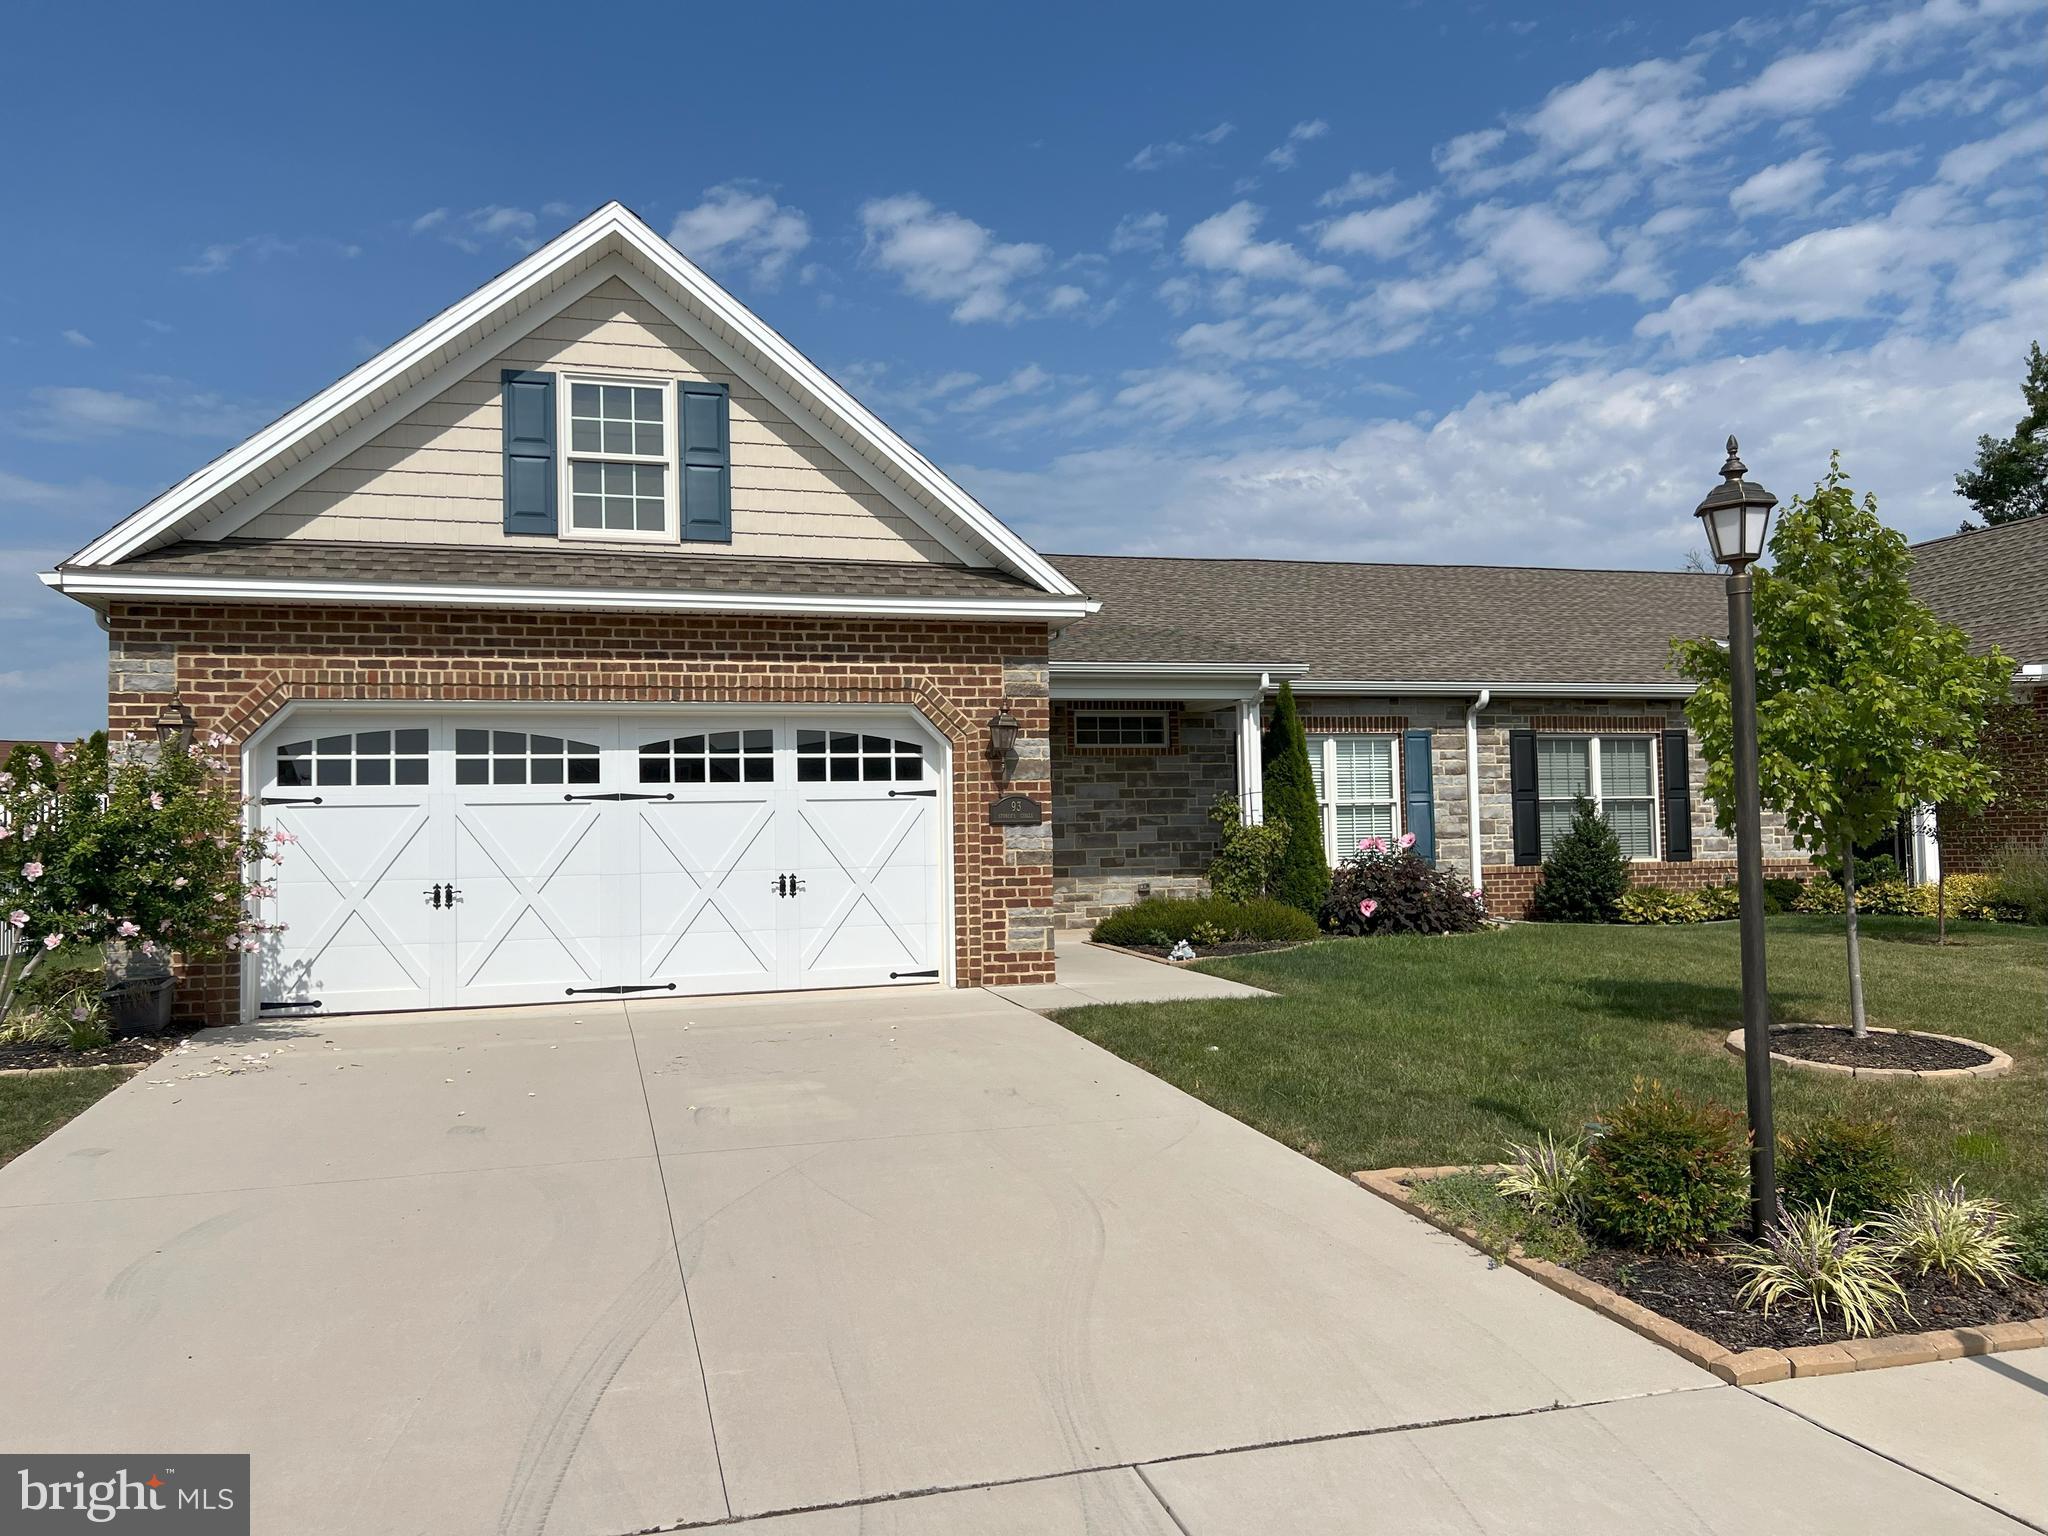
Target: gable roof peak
[454,341]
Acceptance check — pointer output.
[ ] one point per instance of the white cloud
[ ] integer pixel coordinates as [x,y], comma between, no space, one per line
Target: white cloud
[1300,328]
[1138,232]
[1975,90]
[75,413]
[742,227]
[1284,156]
[1462,155]
[1970,164]
[1065,299]
[948,258]
[1177,397]
[1155,157]
[77,338]
[494,224]
[1542,254]
[1598,466]
[1359,187]
[433,218]
[1028,380]
[1383,232]
[215,259]
[1782,187]
[1227,242]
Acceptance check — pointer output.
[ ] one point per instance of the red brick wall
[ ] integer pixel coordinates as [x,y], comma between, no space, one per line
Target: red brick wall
[236,666]
[2019,816]
[1509,887]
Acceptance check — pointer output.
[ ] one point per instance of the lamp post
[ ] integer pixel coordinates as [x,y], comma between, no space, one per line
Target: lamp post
[1736,515]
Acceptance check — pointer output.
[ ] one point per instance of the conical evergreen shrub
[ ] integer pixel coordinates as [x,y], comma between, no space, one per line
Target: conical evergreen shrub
[1585,875]
[1303,878]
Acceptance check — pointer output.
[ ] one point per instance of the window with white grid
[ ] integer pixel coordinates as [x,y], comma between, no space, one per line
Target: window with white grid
[1617,773]
[618,459]
[1357,789]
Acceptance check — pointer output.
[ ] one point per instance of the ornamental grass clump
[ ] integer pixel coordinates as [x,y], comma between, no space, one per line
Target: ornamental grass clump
[1809,1259]
[1546,1176]
[1666,1173]
[1852,1166]
[1949,1230]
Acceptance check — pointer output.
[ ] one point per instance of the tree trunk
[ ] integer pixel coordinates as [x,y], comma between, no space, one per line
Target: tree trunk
[1859,1025]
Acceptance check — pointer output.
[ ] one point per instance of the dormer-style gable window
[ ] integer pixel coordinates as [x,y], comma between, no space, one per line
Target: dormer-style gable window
[640,459]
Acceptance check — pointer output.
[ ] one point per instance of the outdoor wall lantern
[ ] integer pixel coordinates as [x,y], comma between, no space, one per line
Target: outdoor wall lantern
[174,725]
[1002,738]
[1736,515]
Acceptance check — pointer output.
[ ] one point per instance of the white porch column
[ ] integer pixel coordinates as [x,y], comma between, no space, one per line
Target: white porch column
[1926,847]
[1251,776]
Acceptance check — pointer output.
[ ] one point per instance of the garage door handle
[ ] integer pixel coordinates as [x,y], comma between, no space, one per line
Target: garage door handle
[290,800]
[913,794]
[618,794]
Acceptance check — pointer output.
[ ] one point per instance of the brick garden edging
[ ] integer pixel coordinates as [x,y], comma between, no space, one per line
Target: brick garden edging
[1997,1066]
[1744,1367]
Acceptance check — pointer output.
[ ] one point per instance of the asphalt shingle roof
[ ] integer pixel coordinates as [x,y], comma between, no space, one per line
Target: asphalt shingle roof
[564,566]
[1992,584]
[1409,623]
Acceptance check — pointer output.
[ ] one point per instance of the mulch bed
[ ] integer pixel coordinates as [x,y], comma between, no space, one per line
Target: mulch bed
[1698,1291]
[115,1053]
[1916,1053]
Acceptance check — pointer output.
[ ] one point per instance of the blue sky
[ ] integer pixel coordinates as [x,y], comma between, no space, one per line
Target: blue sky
[1420,282]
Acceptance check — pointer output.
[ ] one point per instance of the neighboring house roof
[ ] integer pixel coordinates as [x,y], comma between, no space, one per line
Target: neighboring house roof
[1434,624]
[557,576]
[1992,584]
[612,241]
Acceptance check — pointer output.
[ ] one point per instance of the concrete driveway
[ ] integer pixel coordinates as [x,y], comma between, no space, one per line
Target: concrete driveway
[859,1262]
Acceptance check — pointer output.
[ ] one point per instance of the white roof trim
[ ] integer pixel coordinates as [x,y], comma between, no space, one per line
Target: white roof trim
[86,585]
[458,328]
[1671,690]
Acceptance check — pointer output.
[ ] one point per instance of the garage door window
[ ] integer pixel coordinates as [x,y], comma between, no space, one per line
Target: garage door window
[358,757]
[848,756]
[711,757]
[515,757]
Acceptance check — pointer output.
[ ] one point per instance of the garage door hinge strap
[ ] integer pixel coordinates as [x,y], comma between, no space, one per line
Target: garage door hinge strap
[618,794]
[906,975]
[311,1002]
[652,986]
[292,800]
[913,794]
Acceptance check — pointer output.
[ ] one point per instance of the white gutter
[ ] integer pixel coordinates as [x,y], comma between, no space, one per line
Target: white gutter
[112,583]
[1472,782]
[1182,668]
[1675,689]
[2034,669]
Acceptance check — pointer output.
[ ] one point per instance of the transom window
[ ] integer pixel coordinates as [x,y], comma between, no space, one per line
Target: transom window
[618,459]
[515,757]
[843,756]
[1617,773]
[711,757]
[1356,789]
[360,757]
[1107,728]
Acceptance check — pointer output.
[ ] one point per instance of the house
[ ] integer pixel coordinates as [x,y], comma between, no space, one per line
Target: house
[1993,585]
[589,640]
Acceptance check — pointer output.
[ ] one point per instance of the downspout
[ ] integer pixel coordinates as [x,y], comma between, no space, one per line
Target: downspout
[1472,781]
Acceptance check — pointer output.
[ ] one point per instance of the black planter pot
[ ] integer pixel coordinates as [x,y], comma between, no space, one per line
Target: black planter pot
[140,1006]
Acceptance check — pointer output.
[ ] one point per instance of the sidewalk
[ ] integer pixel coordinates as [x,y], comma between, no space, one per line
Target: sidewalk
[1088,973]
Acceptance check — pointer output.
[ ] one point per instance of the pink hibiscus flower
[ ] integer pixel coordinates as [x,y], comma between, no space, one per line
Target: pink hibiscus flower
[127,930]
[32,870]
[52,940]
[1367,907]
[18,918]
[1407,839]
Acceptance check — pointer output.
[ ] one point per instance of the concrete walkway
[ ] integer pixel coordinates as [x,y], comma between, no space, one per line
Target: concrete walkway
[919,1262]
[1088,973]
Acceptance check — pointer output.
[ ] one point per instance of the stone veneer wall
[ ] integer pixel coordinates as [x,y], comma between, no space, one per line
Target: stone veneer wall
[1133,821]
[236,665]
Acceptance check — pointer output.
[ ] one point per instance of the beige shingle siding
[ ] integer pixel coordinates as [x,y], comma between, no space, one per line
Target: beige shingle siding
[436,477]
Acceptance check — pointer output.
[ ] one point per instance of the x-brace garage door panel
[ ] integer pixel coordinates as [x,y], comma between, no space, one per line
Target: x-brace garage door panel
[477,858]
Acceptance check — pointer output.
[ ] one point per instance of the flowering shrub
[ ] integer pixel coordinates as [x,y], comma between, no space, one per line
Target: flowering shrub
[1386,887]
[150,855]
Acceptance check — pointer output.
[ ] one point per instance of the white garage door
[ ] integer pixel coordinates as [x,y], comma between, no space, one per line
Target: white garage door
[464,860]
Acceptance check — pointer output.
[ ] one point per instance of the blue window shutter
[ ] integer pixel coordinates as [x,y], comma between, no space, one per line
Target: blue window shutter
[528,403]
[1418,792]
[1677,798]
[704,416]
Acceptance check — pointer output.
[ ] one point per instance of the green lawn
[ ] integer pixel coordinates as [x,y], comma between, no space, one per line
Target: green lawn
[36,1103]
[1415,1052]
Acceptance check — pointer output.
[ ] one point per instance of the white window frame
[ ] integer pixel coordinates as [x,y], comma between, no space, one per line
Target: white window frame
[565,522]
[1325,749]
[1160,716]
[1594,786]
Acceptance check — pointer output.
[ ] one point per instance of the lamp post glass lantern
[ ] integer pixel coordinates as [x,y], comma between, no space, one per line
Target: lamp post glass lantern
[1002,739]
[1737,515]
[174,725]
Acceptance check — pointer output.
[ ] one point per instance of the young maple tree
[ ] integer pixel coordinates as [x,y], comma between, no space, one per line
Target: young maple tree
[1867,704]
